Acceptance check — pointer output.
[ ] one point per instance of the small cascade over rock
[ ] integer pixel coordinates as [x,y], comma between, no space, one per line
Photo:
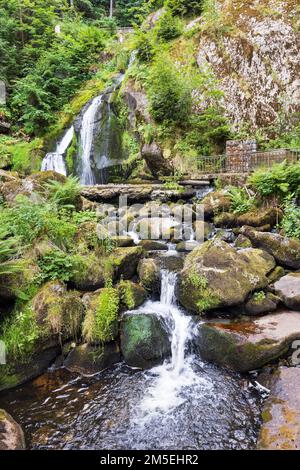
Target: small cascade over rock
[54,161]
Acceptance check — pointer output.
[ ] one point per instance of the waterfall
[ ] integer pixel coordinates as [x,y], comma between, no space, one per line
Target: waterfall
[176,373]
[86,140]
[54,161]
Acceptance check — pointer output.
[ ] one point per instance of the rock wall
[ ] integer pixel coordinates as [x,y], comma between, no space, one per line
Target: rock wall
[254,50]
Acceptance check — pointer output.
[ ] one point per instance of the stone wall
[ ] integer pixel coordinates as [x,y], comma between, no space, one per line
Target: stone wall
[239,154]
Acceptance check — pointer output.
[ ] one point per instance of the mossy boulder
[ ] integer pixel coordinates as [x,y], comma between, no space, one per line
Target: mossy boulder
[261,303]
[87,359]
[16,187]
[86,235]
[13,284]
[270,216]
[124,261]
[41,178]
[242,242]
[225,220]
[248,345]
[90,274]
[11,433]
[101,318]
[276,274]
[217,275]
[217,201]
[288,289]
[58,312]
[157,164]
[132,295]
[280,428]
[285,250]
[144,340]
[122,241]
[149,274]
[153,245]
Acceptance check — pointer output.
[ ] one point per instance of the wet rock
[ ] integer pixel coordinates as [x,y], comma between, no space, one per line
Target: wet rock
[11,434]
[285,250]
[184,247]
[281,414]
[86,359]
[276,274]
[263,303]
[203,230]
[288,289]
[242,242]
[217,201]
[124,261]
[217,275]
[225,235]
[225,220]
[149,274]
[156,163]
[247,345]
[132,295]
[91,275]
[122,241]
[152,245]
[144,340]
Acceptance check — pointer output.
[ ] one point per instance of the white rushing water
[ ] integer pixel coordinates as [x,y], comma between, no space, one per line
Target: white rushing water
[176,373]
[54,161]
[86,140]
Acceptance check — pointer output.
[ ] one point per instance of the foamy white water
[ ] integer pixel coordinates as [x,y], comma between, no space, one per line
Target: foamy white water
[54,161]
[176,373]
[86,140]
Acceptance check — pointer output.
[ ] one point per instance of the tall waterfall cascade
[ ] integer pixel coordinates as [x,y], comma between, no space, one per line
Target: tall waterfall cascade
[54,161]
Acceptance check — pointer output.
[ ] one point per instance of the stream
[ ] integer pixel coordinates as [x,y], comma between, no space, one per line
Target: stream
[185,403]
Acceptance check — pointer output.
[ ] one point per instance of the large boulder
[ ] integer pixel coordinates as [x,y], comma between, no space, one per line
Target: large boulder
[87,360]
[285,250]
[11,434]
[91,273]
[124,261]
[261,303]
[247,345]
[217,275]
[131,295]
[144,340]
[149,274]
[260,217]
[155,160]
[217,201]
[280,429]
[288,289]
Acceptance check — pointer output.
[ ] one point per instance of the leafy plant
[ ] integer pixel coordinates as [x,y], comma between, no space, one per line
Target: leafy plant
[241,201]
[64,194]
[8,249]
[168,27]
[291,219]
[279,180]
[58,265]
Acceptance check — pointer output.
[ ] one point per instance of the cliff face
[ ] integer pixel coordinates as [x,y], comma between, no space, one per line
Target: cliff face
[254,51]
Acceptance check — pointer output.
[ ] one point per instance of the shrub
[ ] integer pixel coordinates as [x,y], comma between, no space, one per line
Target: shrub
[143,44]
[168,27]
[169,94]
[58,265]
[8,249]
[279,180]
[185,7]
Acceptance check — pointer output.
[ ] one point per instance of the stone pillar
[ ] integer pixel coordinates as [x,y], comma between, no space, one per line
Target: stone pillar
[238,155]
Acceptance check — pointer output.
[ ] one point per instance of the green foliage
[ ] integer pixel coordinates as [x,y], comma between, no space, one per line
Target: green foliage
[64,194]
[19,334]
[168,27]
[126,294]
[31,220]
[98,324]
[241,201]
[259,296]
[279,180]
[9,248]
[185,7]
[291,219]
[144,45]
[169,95]
[84,216]
[57,74]
[58,265]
